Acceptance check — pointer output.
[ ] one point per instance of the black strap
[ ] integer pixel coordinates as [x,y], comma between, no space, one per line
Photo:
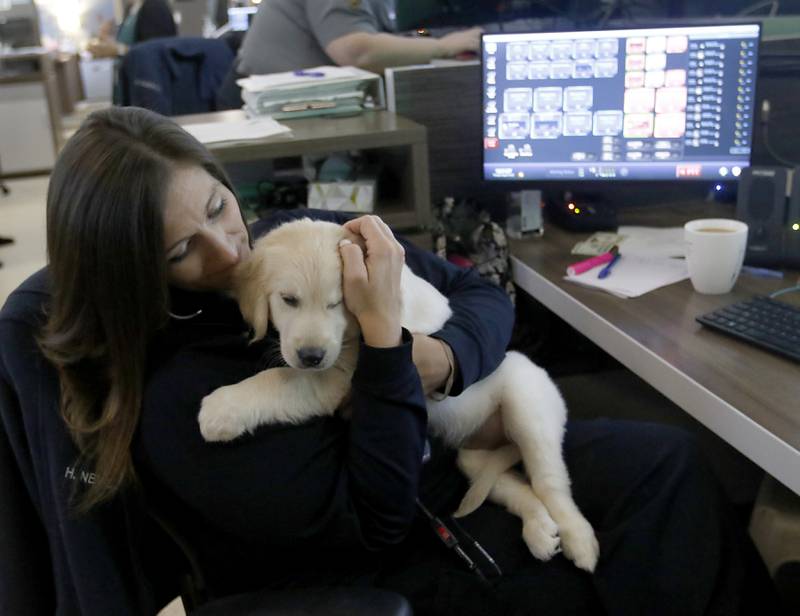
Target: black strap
[450,539]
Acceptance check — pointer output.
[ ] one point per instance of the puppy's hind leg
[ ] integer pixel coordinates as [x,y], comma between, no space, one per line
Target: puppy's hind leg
[550,482]
[539,531]
[533,415]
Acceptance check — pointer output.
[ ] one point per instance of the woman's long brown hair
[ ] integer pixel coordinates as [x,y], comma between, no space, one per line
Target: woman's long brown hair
[109,280]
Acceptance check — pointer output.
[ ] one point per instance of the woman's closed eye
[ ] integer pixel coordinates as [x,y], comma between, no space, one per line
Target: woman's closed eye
[218,209]
[182,252]
[184,248]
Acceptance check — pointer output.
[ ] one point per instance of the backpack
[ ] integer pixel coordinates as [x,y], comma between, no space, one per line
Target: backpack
[465,234]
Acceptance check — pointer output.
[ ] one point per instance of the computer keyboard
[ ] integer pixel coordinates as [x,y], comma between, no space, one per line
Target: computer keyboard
[762,321]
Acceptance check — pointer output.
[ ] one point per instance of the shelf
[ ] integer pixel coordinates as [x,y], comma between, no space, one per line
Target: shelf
[370,130]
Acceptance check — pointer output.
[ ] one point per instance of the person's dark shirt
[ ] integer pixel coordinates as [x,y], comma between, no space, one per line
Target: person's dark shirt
[320,502]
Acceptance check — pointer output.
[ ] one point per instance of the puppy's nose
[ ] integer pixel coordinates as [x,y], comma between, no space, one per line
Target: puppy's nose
[311,357]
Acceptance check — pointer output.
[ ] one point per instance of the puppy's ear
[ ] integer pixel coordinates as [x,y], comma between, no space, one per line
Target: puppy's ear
[251,290]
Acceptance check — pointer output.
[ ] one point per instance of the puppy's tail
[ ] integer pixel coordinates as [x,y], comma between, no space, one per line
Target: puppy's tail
[483,467]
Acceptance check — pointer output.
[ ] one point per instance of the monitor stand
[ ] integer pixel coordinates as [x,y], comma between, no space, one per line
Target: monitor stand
[581,212]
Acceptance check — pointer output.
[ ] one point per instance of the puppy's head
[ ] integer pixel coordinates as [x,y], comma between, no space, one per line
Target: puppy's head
[293,279]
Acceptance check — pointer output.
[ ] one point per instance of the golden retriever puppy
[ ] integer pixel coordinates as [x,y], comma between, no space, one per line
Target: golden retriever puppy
[293,281]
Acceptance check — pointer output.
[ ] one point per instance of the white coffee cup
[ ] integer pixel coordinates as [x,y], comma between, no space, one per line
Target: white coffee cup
[715,250]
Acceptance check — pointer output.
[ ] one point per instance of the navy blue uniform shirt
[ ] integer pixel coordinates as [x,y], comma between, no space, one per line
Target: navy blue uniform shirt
[310,503]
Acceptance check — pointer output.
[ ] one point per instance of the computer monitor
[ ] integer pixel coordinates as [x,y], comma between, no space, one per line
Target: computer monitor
[671,103]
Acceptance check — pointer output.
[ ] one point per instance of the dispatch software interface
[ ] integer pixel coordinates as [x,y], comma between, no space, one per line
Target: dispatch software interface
[656,103]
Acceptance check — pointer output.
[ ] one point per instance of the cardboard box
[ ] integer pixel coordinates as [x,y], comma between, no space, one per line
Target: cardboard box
[358,196]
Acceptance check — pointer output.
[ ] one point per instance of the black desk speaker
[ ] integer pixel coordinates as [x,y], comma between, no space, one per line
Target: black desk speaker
[761,203]
[791,233]
[769,202]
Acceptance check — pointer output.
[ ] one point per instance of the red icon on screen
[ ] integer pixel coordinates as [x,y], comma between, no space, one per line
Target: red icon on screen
[490,143]
[689,171]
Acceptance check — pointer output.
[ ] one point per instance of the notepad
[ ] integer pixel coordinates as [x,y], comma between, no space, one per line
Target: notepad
[242,130]
[634,275]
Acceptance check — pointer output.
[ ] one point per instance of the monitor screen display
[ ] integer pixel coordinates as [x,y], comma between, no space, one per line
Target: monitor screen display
[637,104]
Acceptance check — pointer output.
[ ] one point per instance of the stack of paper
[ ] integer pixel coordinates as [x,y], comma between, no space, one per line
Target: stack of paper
[244,130]
[632,276]
[323,90]
[650,258]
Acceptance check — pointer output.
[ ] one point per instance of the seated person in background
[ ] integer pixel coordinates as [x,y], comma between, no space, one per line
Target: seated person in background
[144,20]
[288,35]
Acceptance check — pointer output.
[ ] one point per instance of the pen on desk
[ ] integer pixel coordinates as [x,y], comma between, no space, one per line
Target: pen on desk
[607,269]
[762,272]
[587,264]
[302,73]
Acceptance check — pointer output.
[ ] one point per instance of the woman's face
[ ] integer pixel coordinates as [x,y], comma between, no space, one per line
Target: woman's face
[204,234]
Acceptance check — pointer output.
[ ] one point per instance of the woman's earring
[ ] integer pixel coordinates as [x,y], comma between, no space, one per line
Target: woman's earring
[184,317]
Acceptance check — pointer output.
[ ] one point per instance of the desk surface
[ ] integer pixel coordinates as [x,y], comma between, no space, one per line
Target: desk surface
[749,397]
[368,130]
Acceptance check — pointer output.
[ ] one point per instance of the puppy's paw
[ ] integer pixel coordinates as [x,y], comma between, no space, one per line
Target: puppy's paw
[220,419]
[580,544]
[541,536]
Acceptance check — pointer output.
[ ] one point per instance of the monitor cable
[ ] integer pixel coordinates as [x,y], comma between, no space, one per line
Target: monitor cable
[610,8]
[786,290]
[773,5]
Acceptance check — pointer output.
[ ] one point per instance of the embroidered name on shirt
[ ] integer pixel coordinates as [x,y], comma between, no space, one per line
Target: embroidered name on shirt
[73,474]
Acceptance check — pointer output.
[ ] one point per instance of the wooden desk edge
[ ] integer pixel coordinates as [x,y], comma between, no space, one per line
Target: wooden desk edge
[771,453]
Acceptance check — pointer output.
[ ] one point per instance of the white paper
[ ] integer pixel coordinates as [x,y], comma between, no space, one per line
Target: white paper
[652,241]
[242,130]
[632,276]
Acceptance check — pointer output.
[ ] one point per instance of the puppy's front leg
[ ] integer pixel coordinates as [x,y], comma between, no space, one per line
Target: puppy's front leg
[276,395]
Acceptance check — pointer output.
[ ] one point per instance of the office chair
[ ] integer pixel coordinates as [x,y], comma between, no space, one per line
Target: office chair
[174,76]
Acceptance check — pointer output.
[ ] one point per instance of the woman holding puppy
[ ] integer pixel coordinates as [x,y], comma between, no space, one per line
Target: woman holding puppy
[132,325]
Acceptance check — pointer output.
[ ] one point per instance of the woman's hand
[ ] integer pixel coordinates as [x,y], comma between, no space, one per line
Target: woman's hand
[371,280]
